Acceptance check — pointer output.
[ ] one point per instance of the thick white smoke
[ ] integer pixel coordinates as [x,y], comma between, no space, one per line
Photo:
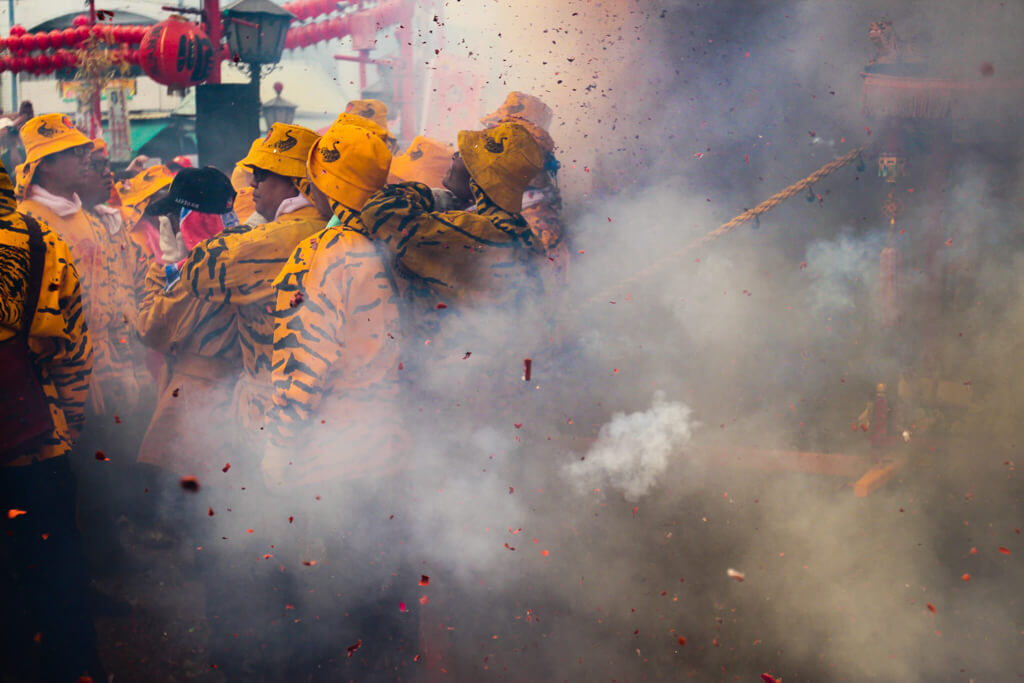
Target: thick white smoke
[633,450]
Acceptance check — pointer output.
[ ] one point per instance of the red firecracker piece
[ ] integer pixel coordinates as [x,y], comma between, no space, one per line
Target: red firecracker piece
[14,512]
[682,640]
[527,369]
[227,466]
[768,678]
[190,484]
[966,577]
[733,574]
[102,457]
[1004,551]
[351,649]
[424,580]
[931,608]
[210,513]
[424,599]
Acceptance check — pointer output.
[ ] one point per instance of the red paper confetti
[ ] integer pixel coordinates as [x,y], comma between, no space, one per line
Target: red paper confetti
[190,484]
[101,456]
[117,419]
[682,640]
[37,638]
[1004,551]
[351,649]
[733,574]
[987,69]
[468,354]
[424,580]
[527,369]
[424,599]
[210,513]
[14,512]
[401,607]
[439,306]
[227,466]
[974,551]
[85,679]
[416,658]
[768,678]
[309,563]
[931,608]
[966,577]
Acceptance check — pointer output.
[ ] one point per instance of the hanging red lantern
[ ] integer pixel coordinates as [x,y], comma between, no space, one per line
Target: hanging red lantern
[176,53]
[18,30]
[80,20]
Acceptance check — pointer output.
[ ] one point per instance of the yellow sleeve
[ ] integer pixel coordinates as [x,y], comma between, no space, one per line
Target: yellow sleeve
[335,319]
[59,337]
[171,318]
[239,266]
[459,254]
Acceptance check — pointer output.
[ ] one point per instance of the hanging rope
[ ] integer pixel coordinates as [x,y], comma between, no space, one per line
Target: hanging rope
[750,214]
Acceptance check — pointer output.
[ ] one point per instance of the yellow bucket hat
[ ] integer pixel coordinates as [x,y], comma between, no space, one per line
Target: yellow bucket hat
[426,161]
[349,164]
[375,110]
[502,160]
[144,185]
[283,151]
[521,105]
[45,135]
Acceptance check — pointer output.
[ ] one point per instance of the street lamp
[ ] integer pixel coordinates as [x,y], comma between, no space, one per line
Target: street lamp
[278,110]
[255,31]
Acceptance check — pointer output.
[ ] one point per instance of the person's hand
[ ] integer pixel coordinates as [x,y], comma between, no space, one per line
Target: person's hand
[445,200]
[172,244]
[137,165]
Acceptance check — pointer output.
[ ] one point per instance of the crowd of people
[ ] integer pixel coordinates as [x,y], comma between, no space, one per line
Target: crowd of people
[278,322]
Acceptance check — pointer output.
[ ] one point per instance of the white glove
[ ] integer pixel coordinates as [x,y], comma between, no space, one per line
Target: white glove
[172,245]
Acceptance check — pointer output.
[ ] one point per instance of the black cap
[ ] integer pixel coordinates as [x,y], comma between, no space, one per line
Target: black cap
[205,190]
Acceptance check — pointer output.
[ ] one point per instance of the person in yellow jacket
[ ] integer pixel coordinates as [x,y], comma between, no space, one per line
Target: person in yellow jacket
[38,536]
[238,267]
[51,180]
[542,201]
[448,260]
[336,437]
[199,340]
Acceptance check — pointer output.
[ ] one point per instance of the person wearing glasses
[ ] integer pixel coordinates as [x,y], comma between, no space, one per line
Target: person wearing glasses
[238,267]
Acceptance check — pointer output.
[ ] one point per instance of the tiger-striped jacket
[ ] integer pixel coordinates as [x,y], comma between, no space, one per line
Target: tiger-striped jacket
[335,367]
[107,267]
[446,261]
[238,268]
[58,338]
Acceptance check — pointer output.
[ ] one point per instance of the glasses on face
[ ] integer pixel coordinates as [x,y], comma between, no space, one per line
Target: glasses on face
[259,175]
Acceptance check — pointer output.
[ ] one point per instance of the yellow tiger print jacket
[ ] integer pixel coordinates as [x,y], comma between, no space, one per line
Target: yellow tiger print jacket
[58,339]
[335,363]
[445,261]
[238,268]
[200,342]
[107,266]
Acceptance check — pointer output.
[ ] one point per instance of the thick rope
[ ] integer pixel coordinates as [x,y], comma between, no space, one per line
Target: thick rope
[764,207]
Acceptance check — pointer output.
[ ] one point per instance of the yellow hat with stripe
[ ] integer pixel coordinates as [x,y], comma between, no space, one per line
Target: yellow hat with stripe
[502,160]
[45,135]
[349,164]
[283,151]
[426,161]
[144,185]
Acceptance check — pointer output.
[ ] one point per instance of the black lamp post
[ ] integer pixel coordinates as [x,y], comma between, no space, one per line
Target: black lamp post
[255,31]
[278,110]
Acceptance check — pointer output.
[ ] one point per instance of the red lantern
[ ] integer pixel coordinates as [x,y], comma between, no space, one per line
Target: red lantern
[80,20]
[82,32]
[18,30]
[42,41]
[176,53]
